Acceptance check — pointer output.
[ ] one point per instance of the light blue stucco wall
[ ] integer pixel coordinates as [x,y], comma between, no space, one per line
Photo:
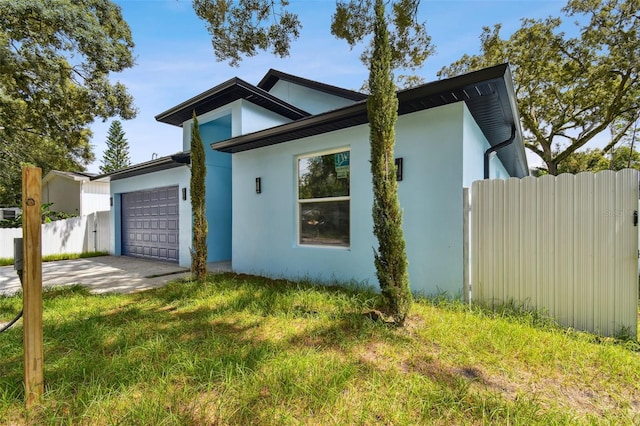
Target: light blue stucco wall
[176,176]
[246,117]
[254,118]
[307,99]
[475,145]
[265,225]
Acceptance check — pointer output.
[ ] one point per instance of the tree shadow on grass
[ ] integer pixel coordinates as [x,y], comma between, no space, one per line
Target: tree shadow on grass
[188,333]
[120,343]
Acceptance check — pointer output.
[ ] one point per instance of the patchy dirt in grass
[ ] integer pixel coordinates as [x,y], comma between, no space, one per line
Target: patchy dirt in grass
[579,397]
[582,398]
[375,355]
[205,409]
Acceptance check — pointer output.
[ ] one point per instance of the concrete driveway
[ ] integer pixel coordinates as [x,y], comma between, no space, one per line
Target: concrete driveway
[105,274]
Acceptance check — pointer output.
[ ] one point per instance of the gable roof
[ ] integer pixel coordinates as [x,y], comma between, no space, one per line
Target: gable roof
[273,76]
[225,93]
[488,93]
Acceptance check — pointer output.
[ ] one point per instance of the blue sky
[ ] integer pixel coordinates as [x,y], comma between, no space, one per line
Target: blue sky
[175,60]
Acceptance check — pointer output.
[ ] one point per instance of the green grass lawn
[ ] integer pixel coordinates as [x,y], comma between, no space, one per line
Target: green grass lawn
[242,350]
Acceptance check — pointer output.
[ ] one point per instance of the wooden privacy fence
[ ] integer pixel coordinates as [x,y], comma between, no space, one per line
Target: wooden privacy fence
[79,234]
[565,245]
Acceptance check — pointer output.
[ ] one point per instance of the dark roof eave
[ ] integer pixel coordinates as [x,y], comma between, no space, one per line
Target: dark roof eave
[272,77]
[239,143]
[164,163]
[225,93]
[489,94]
[289,131]
[498,93]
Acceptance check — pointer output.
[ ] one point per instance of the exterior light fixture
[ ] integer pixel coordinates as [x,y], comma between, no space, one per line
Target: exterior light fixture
[399,164]
[184,194]
[258,185]
[111,201]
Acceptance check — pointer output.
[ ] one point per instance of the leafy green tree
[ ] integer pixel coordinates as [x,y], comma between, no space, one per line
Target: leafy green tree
[116,156]
[56,60]
[595,160]
[382,110]
[624,157]
[569,89]
[241,29]
[248,27]
[198,205]
[245,27]
[590,160]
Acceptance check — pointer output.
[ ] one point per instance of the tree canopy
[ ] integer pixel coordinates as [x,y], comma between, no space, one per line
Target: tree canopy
[595,160]
[56,57]
[246,27]
[569,88]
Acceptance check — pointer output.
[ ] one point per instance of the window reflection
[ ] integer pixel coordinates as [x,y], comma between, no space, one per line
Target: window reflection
[325,223]
[323,199]
[320,177]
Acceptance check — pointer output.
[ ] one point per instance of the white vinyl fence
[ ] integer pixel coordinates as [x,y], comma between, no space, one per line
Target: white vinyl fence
[566,245]
[80,234]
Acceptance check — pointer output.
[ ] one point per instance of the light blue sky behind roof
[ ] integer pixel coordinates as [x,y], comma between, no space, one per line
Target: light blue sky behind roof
[175,60]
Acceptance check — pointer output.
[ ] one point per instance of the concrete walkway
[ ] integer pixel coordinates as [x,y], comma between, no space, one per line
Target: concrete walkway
[105,274]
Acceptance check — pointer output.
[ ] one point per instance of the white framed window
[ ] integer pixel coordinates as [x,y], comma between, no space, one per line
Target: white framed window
[324,199]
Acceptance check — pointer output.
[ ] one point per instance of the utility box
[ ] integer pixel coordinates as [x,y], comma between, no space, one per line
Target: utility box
[18,262]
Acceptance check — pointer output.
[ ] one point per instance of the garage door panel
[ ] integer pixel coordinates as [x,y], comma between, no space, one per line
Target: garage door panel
[150,224]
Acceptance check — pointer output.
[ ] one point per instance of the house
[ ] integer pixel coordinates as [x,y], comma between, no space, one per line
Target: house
[289,184]
[75,193]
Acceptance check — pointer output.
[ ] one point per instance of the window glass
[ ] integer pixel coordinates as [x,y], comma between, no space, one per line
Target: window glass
[323,199]
[325,223]
[323,176]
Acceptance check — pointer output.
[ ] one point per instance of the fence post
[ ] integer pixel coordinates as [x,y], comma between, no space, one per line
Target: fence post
[32,283]
[466,211]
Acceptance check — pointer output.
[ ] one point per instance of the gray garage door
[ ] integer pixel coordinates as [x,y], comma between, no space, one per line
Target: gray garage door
[150,224]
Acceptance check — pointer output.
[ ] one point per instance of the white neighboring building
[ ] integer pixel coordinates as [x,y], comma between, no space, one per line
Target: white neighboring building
[74,193]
